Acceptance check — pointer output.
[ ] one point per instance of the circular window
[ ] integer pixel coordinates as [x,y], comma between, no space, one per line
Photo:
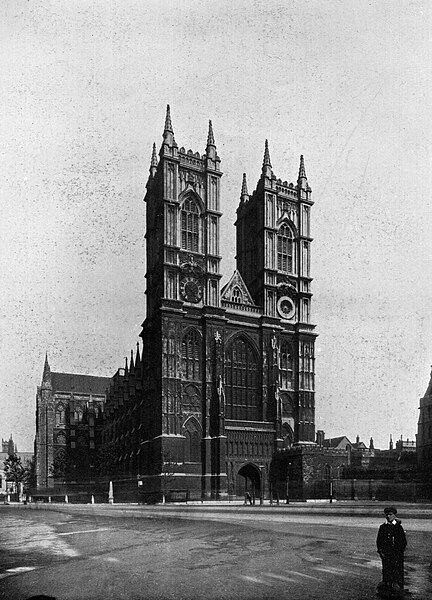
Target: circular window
[286,308]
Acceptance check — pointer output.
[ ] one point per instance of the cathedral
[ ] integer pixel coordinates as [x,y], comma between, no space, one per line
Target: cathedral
[226,376]
[224,379]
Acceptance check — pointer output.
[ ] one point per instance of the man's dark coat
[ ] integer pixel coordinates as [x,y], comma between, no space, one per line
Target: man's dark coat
[391,543]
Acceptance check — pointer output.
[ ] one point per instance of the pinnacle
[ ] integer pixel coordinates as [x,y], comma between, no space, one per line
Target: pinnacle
[266,161]
[244,190]
[154,160]
[168,124]
[302,171]
[210,137]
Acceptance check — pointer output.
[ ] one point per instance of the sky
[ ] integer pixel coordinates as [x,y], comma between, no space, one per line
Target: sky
[347,83]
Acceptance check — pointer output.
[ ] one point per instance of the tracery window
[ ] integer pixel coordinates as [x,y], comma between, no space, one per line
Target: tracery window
[170,356]
[190,222]
[192,448]
[60,415]
[191,356]
[241,382]
[285,367]
[285,249]
[236,295]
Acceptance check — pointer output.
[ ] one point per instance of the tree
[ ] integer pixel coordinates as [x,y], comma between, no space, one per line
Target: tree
[61,467]
[30,474]
[14,470]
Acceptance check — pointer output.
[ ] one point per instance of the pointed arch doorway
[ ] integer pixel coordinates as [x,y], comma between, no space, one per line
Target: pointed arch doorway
[253,483]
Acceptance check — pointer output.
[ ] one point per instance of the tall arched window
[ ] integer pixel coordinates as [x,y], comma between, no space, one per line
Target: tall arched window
[191,356]
[170,356]
[241,382]
[285,249]
[190,216]
[192,433]
[285,367]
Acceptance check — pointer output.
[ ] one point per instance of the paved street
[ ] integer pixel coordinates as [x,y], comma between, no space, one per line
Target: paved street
[96,552]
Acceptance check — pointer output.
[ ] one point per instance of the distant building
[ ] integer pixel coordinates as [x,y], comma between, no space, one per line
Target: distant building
[424,434]
[8,449]
[67,406]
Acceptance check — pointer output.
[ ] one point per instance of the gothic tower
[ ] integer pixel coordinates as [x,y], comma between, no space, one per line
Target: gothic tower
[182,241]
[273,258]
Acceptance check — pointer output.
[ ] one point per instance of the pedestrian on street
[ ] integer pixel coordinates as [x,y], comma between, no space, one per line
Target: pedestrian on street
[391,544]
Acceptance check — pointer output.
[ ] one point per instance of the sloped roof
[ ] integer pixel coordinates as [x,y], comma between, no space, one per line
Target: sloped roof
[335,442]
[85,384]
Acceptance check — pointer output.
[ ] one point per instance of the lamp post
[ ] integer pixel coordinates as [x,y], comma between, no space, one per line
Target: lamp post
[287,489]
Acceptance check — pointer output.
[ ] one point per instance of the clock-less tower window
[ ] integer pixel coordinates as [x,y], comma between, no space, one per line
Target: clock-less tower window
[190,225]
[285,249]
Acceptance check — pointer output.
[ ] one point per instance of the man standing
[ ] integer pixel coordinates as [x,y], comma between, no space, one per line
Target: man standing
[391,544]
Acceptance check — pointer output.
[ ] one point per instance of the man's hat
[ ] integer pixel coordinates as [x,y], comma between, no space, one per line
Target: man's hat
[390,509]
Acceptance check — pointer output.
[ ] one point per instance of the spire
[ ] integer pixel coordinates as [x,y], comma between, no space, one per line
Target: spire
[302,179]
[266,166]
[126,369]
[168,124]
[210,137]
[46,377]
[168,134]
[244,196]
[47,371]
[211,146]
[154,161]
[132,365]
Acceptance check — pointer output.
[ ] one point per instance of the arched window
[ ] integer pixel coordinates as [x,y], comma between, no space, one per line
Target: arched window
[285,367]
[327,472]
[170,356]
[190,216]
[191,356]
[241,382]
[60,415]
[285,249]
[236,295]
[191,399]
[192,433]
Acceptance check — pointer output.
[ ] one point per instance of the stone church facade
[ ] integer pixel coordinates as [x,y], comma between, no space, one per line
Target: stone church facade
[225,377]
[424,435]
[68,430]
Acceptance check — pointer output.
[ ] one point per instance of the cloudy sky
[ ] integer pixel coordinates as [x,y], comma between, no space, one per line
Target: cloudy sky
[347,83]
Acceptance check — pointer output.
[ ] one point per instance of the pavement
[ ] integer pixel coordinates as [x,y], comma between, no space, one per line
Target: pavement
[211,550]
